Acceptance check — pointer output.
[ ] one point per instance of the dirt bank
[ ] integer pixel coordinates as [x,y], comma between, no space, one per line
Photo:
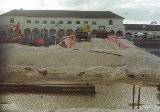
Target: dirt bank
[98,61]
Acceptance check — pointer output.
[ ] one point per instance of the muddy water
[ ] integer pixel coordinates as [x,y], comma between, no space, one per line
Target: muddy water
[107,96]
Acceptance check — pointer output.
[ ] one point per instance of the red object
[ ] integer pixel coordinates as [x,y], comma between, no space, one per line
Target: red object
[116,40]
[72,41]
[18,30]
[18,34]
[39,41]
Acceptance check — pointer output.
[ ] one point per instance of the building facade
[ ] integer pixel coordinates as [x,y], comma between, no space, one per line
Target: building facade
[131,29]
[50,22]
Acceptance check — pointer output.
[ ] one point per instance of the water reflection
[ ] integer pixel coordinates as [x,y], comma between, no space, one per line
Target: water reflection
[158,97]
[110,97]
[2,55]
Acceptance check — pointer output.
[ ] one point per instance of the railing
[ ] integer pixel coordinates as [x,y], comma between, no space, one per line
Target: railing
[117,41]
[9,39]
[72,40]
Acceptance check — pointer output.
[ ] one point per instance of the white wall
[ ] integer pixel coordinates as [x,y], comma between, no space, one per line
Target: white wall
[117,23]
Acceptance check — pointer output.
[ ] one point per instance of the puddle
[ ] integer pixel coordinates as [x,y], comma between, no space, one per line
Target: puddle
[107,97]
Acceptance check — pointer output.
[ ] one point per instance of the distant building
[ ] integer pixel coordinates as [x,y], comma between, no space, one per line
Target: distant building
[131,29]
[62,21]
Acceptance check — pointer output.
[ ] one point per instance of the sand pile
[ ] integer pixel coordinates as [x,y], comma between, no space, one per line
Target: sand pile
[100,60]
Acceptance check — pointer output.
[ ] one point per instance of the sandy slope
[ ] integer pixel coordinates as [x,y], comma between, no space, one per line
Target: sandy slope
[98,61]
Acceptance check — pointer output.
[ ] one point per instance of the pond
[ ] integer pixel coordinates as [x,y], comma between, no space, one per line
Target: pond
[118,96]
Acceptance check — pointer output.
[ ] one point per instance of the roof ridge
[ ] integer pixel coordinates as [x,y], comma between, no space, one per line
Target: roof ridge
[62,13]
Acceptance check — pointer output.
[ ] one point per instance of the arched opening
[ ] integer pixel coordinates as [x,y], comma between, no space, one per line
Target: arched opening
[112,32]
[27,31]
[2,33]
[75,31]
[35,31]
[128,35]
[102,34]
[110,22]
[6,32]
[17,31]
[11,31]
[61,32]
[44,33]
[69,31]
[12,20]
[52,32]
[119,33]
[93,32]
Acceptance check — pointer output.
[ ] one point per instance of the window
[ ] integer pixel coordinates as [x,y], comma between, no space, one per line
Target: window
[93,22]
[69,22]
[12,20]
[37,22]
[28,21]
[11,31]
[85,22]
[110,22]
[44,22]
[77,22]
[60,22]
[52,22]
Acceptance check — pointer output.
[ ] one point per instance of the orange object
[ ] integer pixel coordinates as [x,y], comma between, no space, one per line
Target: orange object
[63,44]
[39,41]
[18,30]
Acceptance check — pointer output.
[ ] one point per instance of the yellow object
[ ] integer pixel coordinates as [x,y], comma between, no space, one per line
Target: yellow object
[150,35]
[86,28]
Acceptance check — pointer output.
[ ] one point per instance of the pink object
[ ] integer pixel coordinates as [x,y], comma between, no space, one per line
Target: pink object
[116,40]
[72,41]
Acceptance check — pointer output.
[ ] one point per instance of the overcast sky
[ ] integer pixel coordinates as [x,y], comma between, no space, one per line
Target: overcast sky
[134,11]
